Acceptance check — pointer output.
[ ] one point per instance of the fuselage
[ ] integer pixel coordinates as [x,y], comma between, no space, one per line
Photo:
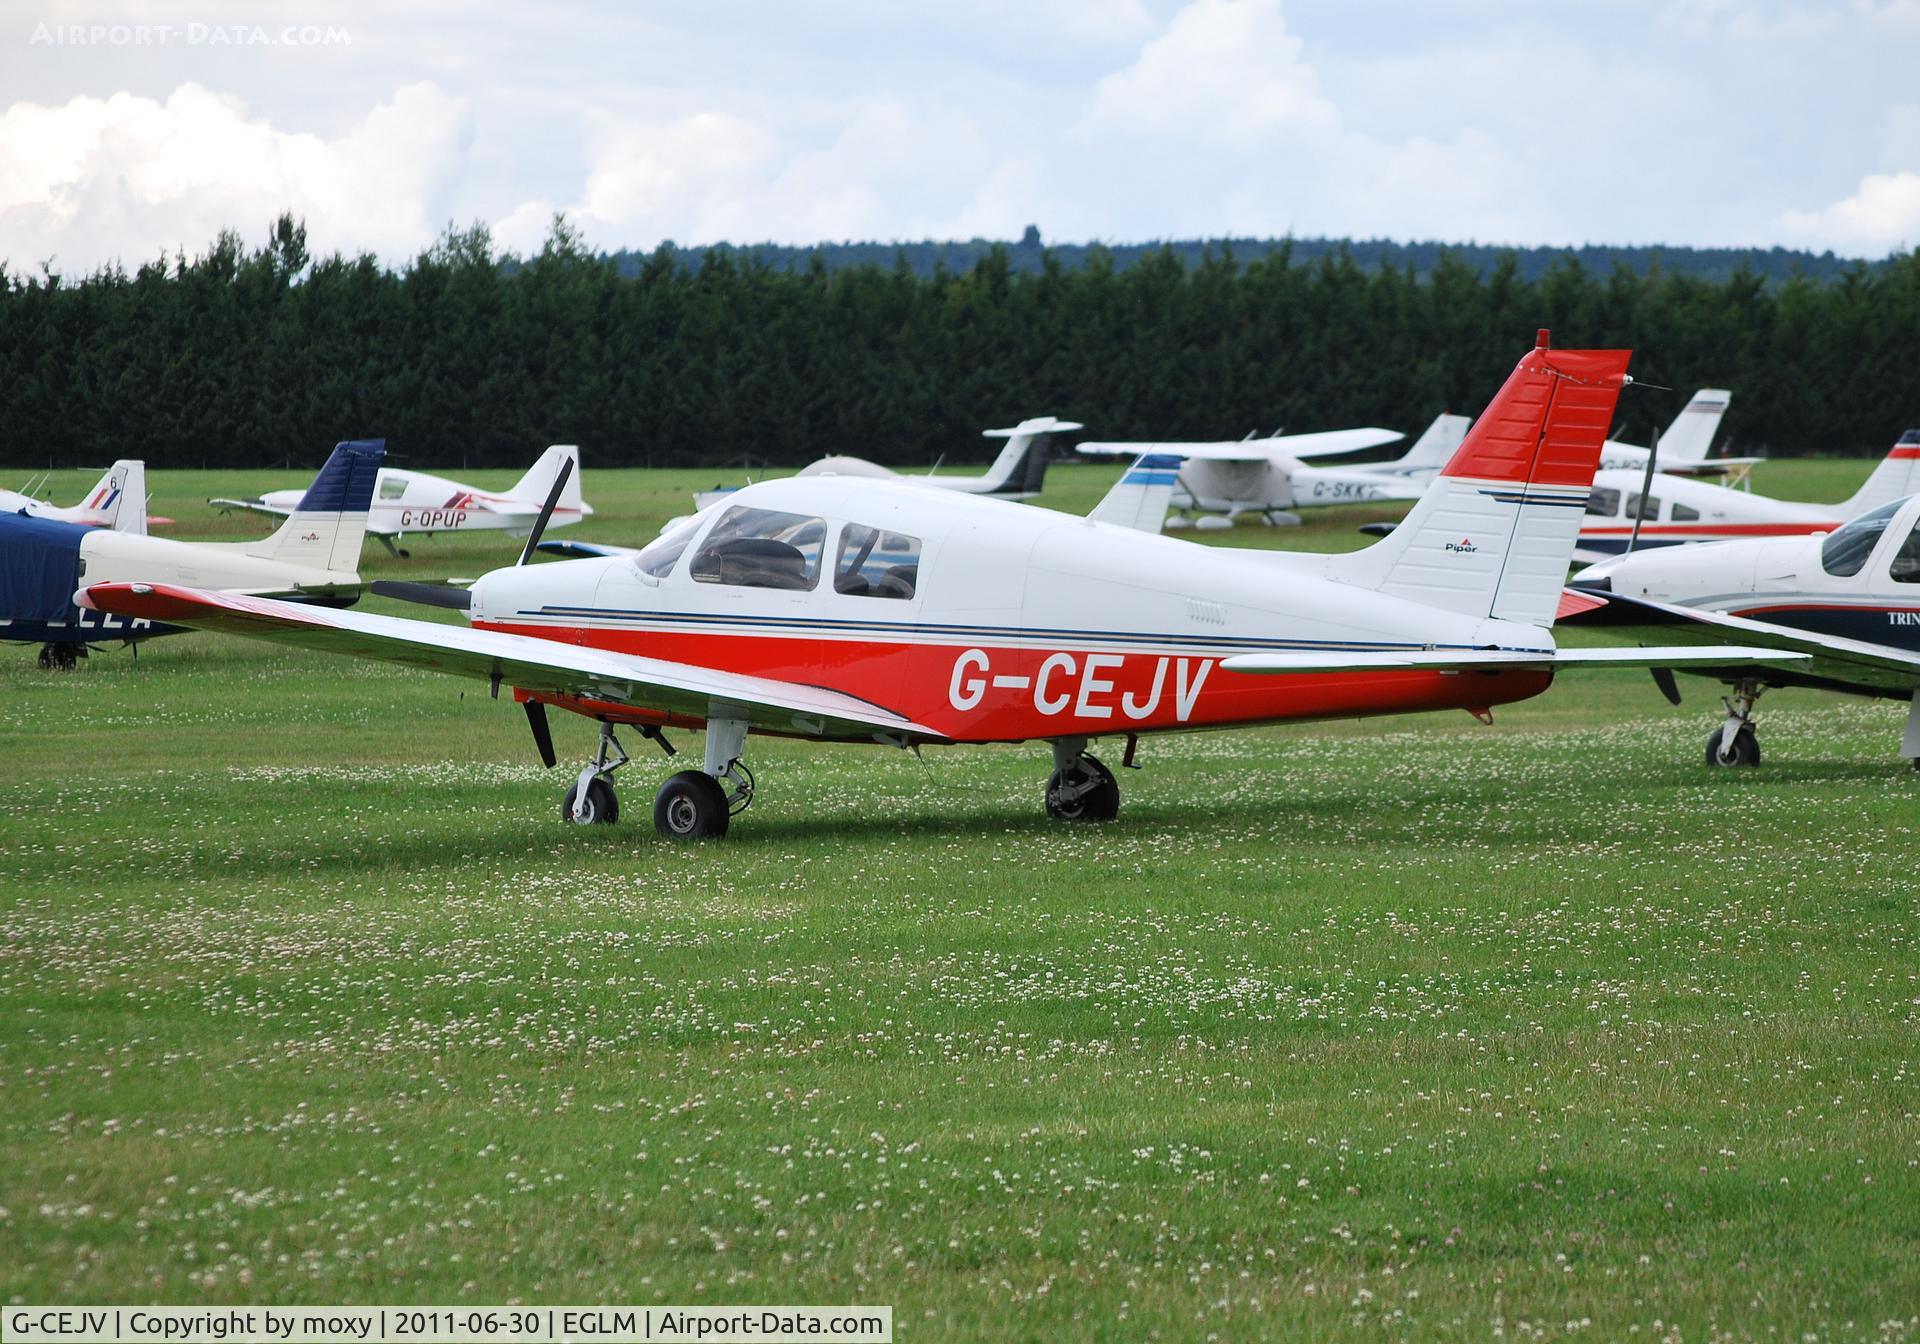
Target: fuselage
[989,622]
[1683,510]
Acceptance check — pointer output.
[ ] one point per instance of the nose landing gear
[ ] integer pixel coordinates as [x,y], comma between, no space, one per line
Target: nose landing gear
[1735,742]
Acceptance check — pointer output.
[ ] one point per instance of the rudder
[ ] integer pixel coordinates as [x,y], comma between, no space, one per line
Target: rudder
[325,529]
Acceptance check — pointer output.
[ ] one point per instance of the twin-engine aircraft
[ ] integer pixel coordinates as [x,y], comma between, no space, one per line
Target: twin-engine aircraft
[856,610]
[1018,471]
[1849,601]
[118,500]
[314,556]
[416,502]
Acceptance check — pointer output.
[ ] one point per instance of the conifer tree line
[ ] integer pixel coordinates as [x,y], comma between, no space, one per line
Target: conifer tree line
[267,357]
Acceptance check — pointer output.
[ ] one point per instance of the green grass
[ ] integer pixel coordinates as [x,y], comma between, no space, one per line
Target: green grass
[1400,1028]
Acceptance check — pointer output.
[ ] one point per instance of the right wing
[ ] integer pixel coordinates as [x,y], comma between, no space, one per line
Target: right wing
[538,665]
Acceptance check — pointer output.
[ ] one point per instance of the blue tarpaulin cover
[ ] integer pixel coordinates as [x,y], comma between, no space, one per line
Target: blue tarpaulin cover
[39,567]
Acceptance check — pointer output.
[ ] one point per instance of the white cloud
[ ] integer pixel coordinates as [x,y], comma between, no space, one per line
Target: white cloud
[1882,215]
[130,177]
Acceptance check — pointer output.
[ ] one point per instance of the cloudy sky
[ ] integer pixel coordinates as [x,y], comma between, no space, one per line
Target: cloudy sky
[137,127]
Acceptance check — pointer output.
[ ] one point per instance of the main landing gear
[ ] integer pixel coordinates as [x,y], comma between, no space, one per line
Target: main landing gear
[1735,742]
[1080,788]
[691,805]
[61,657]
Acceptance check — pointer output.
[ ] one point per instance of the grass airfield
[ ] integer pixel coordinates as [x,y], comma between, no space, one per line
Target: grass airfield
[1403,1028]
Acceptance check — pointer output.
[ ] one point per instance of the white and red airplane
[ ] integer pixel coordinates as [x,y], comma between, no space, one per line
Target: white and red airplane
[1849,600]
[118,500]
[1683,446]
[415,501]
[1679,510]
[872,611]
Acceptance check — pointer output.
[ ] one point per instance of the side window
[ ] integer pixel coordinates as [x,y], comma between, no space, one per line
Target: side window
[873,563]
[1683,513]
[762,548]
[1603,503]
[1906,561]
[1648,511]
[392,487]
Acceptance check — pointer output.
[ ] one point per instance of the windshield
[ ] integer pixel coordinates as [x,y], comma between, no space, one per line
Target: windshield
[1845,551]
[658,557]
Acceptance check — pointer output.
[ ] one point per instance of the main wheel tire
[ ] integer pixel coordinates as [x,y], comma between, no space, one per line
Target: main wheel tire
[603,809]
[60,657]
[691,806]
[1744,749]
[1099,803]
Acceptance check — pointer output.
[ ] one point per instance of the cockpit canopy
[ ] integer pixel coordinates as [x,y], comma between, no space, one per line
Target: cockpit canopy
[1844,553]
[750,547]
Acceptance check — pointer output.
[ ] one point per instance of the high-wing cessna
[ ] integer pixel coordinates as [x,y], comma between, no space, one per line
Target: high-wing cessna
[1676,511]
[1683,446]
[874,611]
[314,556]
[414,501]
[1017,472]
[118,500]
[1271,477]
[1849,599]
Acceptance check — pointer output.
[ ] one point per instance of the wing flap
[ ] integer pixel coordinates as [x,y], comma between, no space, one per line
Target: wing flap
[537,665]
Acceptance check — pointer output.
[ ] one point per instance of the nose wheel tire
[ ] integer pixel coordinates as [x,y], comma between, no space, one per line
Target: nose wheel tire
[1743,750]
[602,808]
[691,806]
[1084,791]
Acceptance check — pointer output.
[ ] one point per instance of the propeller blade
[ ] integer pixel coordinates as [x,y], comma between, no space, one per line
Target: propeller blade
[546,510]
[426,594]
[542,733]
[1663,678]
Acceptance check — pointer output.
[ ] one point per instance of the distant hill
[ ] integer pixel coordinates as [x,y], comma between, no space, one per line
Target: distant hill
[1029,253]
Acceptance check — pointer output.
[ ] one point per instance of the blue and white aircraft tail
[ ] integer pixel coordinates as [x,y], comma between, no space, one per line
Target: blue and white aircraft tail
[326,528]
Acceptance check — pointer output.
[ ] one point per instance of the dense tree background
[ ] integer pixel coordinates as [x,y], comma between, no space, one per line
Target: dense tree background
[468,358]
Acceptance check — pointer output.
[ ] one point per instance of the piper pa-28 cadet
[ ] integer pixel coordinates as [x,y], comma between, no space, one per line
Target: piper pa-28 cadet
[872,611]
[118,500]
[1849,600]
[1270,477]
[414,501]
[314,556]
[1017,472]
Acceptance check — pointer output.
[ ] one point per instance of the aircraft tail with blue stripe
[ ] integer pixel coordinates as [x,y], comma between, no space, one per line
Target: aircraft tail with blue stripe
[325,529]
[1141,498]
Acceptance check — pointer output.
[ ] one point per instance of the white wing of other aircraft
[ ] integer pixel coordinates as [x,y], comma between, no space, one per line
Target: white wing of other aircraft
[416,501]
[117,500]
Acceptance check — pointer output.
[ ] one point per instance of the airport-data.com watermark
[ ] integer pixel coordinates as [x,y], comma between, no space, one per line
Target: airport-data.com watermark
[189,35]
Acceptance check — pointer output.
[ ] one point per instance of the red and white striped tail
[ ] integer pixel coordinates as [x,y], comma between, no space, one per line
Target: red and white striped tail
[1495,532]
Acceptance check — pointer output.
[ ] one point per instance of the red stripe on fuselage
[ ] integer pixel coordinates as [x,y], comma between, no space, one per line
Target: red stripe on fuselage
[994,693]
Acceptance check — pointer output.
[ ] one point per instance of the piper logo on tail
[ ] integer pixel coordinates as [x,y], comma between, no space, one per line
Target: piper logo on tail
[1462,547]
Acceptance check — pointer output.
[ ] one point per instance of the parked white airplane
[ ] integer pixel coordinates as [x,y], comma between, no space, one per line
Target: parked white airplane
[415,501]
[118,500]
[1683,446]
[1270,476]
[314,556]
[1018,472]
[1680,510]
[1849,599]
[865,611]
